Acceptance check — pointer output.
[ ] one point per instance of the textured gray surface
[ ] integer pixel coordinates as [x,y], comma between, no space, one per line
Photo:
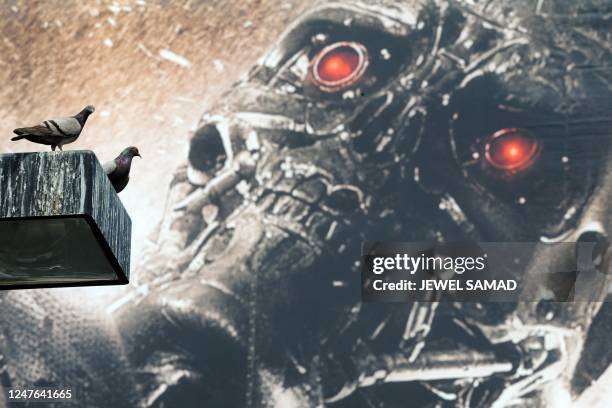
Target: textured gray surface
[60,184]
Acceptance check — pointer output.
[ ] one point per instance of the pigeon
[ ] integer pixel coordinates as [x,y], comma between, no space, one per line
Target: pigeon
[56,132]
[118,170]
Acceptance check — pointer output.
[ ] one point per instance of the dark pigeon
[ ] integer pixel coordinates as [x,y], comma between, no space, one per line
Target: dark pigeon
[56,132]
[118,170]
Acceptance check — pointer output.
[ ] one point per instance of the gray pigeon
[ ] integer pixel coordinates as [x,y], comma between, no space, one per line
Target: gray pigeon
[56,132]
[118,170]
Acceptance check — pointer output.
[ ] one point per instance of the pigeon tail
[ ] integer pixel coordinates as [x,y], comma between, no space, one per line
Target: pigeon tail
[20,131]
[17,138]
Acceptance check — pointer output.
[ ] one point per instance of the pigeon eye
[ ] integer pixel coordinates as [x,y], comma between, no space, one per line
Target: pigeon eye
[510,151]
[339,66]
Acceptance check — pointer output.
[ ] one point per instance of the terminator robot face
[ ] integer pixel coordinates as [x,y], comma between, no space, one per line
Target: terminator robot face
[412,121]
[496,116]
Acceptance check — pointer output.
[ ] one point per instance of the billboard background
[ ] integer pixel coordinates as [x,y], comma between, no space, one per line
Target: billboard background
[151,68]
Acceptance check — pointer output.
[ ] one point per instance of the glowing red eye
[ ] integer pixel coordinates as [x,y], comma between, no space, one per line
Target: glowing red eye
[511,150]
[339,66]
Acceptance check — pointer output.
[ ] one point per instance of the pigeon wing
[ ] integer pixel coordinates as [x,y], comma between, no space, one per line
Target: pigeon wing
[109,167]
[66,127]
[38,130]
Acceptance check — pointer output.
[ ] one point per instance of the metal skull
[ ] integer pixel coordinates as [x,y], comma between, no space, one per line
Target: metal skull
[401,121]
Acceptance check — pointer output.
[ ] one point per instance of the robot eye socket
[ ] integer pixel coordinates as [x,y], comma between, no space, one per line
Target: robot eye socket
[511,150]
[339,66]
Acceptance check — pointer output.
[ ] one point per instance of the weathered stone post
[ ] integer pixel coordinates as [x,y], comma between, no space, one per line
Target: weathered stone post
[61,222]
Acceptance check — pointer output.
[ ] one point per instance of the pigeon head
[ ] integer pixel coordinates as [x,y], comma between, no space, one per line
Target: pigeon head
[84,114]
[130,152]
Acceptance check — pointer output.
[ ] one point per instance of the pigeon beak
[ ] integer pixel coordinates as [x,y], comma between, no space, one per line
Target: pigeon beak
[138,154]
